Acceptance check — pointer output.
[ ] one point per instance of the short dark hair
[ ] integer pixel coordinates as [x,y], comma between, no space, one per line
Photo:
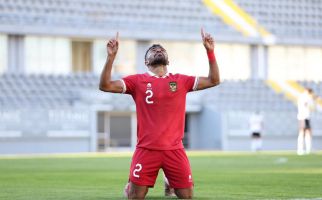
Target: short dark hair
[310,90]
[154,45]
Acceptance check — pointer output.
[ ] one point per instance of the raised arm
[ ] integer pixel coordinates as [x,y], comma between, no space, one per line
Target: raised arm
[213,78]
[106,84]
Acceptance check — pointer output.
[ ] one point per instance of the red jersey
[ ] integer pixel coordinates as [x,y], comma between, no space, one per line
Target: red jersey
[160,106]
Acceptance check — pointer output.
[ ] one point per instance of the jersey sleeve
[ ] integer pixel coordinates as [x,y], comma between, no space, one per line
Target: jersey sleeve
[190,82]
[129,83]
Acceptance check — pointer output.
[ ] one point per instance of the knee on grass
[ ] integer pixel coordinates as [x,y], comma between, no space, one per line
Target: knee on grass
[184,193]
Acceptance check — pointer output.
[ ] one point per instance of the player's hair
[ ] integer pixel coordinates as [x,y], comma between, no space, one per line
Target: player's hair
[310,90]
[154,45]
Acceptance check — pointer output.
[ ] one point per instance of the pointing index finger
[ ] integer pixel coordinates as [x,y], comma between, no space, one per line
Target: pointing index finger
[117,36]
[202,33]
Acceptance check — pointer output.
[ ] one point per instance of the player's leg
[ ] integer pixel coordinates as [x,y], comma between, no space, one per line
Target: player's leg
[253,142]
[177,169]
[308,137]
[300,143]
[259,142]
[308,141]
[137,191]
[168,190]
[184,193]
[300,139]
[143,172]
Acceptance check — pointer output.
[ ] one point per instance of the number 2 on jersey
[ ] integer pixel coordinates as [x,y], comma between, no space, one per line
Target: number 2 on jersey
[149,96]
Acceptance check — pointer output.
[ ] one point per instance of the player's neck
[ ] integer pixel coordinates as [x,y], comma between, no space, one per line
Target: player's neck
[159,70]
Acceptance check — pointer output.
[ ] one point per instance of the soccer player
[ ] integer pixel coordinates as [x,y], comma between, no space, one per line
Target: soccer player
[160,99]
[305,104]
[256,128]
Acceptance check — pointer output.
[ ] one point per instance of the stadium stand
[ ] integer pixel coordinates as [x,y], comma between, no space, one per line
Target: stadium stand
[68,91]
[248,95]
[52,91]
[99,18]
[289,20]
[63,104]
[20,90]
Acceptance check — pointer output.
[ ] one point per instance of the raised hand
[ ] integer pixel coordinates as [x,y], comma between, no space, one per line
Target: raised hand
[207,40]
[113,45]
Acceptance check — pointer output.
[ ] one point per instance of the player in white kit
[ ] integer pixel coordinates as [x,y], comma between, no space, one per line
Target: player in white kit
[305,105]
[256,128]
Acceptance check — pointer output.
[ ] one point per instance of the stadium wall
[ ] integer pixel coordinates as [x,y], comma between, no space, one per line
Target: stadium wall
[209,127]
[54,55]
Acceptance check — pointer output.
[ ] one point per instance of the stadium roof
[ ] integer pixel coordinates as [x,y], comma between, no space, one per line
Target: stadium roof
[291,21]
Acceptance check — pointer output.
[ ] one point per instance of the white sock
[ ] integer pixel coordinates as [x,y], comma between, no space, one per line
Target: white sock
[308,143]
[259,144]
[300,144]
[165,179]
[253,145]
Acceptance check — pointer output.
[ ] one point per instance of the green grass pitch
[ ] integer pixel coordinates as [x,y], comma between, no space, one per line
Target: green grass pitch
[217,175]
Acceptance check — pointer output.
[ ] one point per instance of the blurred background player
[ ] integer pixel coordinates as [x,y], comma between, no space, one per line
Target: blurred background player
[160,99]
[305,105]
[256,128]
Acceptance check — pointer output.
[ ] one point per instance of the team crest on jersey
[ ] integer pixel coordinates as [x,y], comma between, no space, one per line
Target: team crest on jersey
[173,86]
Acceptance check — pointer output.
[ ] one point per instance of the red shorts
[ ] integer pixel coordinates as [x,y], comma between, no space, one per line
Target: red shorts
[175,164]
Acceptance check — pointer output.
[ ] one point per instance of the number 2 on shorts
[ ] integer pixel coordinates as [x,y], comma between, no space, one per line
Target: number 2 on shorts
[138,167]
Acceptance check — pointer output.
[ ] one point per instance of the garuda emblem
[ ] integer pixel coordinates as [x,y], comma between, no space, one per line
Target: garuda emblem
[173,86]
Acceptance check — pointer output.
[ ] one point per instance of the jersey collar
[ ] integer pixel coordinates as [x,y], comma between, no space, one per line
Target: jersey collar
[153,74]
